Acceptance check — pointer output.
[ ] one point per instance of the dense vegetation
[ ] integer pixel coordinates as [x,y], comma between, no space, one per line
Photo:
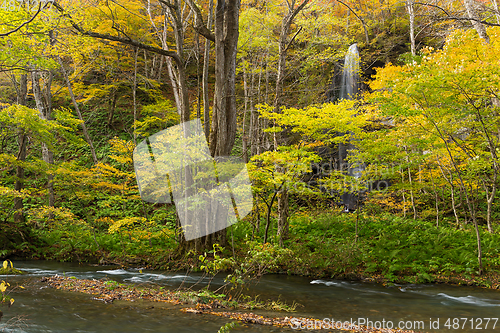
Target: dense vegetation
[83,82]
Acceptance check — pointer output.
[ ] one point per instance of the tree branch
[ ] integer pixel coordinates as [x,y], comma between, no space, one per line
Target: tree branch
[24,23]
[293,38]
[431,5]
[467,19]
[359,18]
[296,11]
[199,25]
[122,40]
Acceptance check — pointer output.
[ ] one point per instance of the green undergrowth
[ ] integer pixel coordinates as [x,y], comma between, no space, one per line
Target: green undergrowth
[387,248]
[390,248]
[82,242]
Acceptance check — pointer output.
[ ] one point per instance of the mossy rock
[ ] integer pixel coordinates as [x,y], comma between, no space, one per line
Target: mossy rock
[10,271]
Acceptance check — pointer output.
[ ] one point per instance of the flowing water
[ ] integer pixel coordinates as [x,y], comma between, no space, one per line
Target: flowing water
[43,309]
[350,76]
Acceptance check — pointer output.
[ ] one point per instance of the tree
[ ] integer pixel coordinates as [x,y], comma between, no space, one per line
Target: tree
[19,121]
[317,125]
[453,90]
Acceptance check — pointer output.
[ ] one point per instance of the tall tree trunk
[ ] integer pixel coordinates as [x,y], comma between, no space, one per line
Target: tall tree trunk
[134,89]
[206,65]
[411,13]
[244,139]
[112,106]
[174,13]
[436,196]
[284,43]
[78,112]
[199,88]
[452,190]
[283,212]
[22,139]
[497,14]
[43,100]
[223,129]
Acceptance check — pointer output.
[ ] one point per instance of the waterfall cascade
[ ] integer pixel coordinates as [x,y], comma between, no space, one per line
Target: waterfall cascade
[350,75]
[345,85]
[348,89]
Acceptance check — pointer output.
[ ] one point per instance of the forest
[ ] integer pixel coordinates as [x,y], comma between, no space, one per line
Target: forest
[386,169]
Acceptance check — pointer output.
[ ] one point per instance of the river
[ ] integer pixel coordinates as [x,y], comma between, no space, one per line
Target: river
[428,308]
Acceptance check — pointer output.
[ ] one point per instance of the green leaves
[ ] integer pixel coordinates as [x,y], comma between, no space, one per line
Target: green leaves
[325,123]
[21,117]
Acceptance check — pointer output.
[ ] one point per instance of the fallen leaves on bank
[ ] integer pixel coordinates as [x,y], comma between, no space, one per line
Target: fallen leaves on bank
[305,323]
[108,291]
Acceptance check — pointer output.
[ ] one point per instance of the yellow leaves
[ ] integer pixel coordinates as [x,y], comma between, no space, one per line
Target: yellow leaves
[123,150]
[8,192]
[105,220]
[53,217]
[322,122]
[121,159]
[3,286]
[109,171]
[128,223]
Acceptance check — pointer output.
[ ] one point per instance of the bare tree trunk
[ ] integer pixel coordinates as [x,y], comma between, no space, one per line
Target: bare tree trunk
[403,192]
[146,71]
[175,17]
[490,197]
[43,100]
[283,212]
[436,197]
[452,190]
[198,80]
[112,106]
[134,89]
[497,13]
[22,139]
[176,73]
[471,12]
[206,64]
[251,129]
[284,43]
[77,109]
[254,121]
[244,140]
[411,13]
[223,131]
[412,198]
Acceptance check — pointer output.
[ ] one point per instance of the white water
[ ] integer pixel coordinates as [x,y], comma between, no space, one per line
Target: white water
[50,310]
[350,76]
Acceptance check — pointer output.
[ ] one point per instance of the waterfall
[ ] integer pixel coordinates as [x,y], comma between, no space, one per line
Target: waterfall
[350,76]
[348,89]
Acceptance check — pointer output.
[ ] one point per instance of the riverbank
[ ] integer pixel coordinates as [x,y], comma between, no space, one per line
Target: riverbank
[390,249]
[381,248]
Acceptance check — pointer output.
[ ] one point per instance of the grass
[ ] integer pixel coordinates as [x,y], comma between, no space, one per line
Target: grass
[389,248]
